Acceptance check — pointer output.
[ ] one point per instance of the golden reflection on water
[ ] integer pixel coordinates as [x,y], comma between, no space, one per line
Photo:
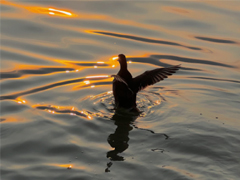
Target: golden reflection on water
[68,166]
[98,76]
[114,58]
[93,83]
[51,11]
[42,10]
[21,101]
[12,120]
[63,110]
[86,82]
[21,71]
[111,63]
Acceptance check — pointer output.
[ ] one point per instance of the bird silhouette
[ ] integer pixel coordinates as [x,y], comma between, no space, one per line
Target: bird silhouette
[125,87]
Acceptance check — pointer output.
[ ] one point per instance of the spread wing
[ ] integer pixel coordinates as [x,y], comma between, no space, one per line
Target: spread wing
[152,77]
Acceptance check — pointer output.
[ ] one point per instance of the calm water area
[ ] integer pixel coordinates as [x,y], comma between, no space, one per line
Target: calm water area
[57,108]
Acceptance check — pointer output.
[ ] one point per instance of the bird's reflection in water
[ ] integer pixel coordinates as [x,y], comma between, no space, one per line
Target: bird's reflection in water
[119,139]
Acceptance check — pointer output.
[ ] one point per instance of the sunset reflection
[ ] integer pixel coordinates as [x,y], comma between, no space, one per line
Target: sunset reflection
[110,63]
[114,58]
[86,82]
[42,10]
[63,110]
[96,81]
[24,70]
[68,166]
[61,12]
[51,11]
[21,101]
[99,76]
[100,62]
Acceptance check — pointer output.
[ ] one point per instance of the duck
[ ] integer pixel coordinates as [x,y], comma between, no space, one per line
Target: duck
[125,87]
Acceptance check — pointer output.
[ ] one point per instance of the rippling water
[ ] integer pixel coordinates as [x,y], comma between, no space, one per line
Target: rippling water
[57,116]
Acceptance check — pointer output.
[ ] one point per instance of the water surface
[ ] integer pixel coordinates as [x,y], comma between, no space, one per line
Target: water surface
[57,117]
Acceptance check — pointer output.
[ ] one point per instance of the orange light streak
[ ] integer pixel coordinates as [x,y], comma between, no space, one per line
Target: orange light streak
[114,58]
[99,76]
[50,11]
[86,82]
[60,11]
[21,101]
[42,10]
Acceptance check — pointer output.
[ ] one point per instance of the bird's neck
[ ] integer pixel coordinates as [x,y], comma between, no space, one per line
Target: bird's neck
[123,65]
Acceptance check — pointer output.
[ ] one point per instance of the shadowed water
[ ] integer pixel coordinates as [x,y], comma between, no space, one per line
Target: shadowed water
[57,108]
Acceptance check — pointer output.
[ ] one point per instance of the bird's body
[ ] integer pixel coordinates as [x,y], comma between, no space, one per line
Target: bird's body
[125,87]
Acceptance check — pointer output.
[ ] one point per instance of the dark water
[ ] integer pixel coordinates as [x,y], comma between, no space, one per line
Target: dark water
[57,117]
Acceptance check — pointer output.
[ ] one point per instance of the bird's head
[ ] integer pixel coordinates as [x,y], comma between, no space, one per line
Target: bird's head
[122,59]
